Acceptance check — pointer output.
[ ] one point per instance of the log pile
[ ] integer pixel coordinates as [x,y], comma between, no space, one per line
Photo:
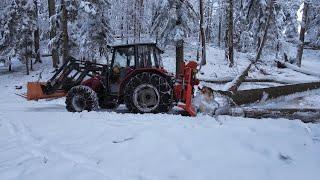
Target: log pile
[244,97]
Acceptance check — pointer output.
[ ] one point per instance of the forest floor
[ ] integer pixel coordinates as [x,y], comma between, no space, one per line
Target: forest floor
[41,140]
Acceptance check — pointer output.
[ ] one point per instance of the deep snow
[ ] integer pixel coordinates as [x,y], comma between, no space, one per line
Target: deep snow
[40,140]
[49,145]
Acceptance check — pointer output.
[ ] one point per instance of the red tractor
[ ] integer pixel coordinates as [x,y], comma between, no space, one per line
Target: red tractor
[134,76]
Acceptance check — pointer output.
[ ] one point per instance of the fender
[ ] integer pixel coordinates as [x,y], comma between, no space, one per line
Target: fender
[94,83]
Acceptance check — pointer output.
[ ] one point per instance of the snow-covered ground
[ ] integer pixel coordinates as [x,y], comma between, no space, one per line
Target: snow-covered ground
[41,140]
[57,145]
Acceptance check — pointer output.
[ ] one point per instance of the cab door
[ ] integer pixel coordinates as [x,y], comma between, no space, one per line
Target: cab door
[123,62]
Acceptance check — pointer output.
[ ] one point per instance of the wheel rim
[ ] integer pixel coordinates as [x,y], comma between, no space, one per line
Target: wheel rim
[146,98]
[78,103]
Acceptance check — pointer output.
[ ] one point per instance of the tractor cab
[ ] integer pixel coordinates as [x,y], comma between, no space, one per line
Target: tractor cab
[130,57]
[146,55]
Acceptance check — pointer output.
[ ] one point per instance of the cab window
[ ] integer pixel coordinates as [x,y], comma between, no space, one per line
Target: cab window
[146,57]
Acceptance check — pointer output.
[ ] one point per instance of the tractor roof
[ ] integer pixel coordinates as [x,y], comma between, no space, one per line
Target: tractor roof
[135,44]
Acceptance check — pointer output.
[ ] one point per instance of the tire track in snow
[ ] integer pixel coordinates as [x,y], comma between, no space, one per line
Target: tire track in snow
[40,148]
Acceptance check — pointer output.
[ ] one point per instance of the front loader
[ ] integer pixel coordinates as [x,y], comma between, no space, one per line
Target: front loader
[134,77]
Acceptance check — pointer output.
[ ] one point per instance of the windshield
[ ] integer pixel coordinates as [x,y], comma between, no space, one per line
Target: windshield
[124,57]
[140,56]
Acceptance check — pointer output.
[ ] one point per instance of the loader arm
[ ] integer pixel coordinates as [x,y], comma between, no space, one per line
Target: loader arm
[70,74]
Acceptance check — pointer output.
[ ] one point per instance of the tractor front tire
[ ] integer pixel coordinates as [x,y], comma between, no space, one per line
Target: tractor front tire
[148,93]
[81,98]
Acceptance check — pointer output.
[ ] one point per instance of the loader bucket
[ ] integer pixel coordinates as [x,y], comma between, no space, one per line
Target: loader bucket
[35,91]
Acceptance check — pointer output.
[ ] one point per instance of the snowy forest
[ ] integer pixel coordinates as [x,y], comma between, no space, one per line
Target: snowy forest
[159,89]
[84,28]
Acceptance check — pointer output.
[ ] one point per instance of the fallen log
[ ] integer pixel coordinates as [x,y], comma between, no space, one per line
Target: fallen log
[305,115]
[256,95]
[296,68]
[227,80]
[312,48]
[217,80]
[237,81]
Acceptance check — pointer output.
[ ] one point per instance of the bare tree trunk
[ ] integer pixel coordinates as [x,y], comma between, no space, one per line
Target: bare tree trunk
[249,10]
[179,57]
[226,53]
[123,23]
[141,10]
[37,35]
[179,43]
[202,34]
[65,36]
[264,38]
[31,65]
[135,19]
[26,57]
[122,27]
[54,52]
[278,47]
[27,65]
[127,24]
[138,6]
[219,32]
[209,17]
[229,34]
[198,47]
[302,33]
[10,65]
[220,24]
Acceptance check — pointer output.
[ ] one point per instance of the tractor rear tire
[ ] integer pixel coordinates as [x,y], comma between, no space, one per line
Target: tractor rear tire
[81,98]
[148,93]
